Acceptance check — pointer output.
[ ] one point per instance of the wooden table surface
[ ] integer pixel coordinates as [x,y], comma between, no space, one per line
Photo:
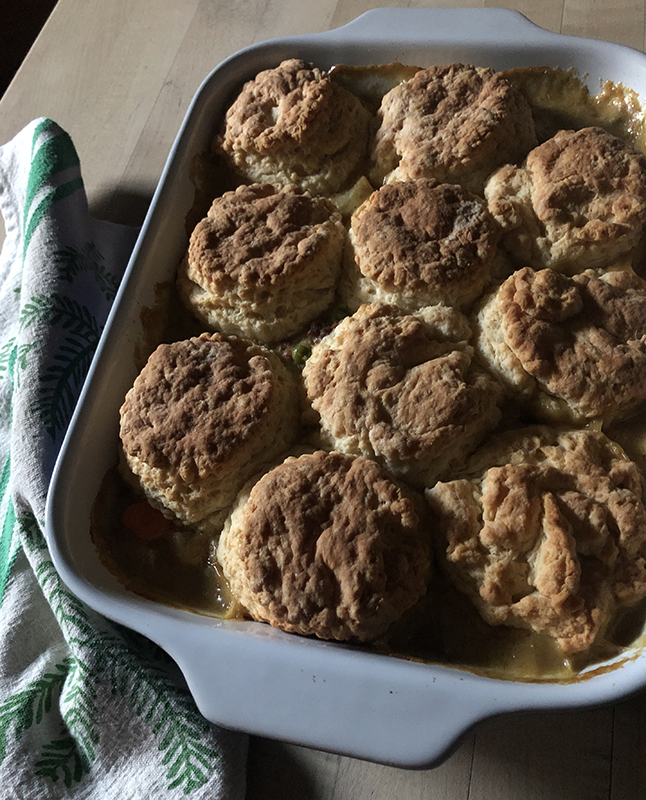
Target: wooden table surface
[118,76]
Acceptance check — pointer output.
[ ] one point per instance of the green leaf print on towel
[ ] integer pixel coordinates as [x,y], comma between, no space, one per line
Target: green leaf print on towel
[170,713]
[110,657]
[28,707]
[71,261]
[62,759]
[62,379]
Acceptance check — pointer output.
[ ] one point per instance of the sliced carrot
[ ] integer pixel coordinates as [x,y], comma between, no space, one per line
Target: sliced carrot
[146,522]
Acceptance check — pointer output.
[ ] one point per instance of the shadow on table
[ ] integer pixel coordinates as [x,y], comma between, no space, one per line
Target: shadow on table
[123,205]
[575,755]
[278,771]
[275,771]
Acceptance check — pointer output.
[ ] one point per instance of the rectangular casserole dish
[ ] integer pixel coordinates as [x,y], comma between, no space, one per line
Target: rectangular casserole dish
[248,676]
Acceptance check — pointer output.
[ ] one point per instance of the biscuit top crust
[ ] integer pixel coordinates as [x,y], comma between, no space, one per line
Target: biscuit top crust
[579,202]
[393,383]
[195,403]
[547,530]
[332,546]
[291,107]
[590,181]
[414,235]
[449,120]
[582,338]
[260,237]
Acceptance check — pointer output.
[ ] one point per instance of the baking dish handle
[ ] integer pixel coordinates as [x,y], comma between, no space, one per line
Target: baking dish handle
[446,25]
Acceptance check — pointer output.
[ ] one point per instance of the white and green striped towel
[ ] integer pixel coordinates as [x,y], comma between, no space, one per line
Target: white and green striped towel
[87,709]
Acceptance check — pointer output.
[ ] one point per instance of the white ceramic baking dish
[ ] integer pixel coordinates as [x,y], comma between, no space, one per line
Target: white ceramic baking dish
[245,675]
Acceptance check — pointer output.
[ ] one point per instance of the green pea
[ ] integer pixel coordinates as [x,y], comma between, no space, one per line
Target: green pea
[300,354]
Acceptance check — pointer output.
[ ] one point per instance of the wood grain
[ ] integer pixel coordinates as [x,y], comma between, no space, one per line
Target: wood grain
[118,77]
[621,22]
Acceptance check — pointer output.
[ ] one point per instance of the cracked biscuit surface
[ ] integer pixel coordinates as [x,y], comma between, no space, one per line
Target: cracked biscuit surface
[326,544]
[573,348]
[546,530]
[293,124]
[264,262]
[579,202]
[200,418]
[402,390]
[417,243]
[456,123]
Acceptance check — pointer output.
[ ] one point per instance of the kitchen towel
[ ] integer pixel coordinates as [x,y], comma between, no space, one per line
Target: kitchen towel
[87,708]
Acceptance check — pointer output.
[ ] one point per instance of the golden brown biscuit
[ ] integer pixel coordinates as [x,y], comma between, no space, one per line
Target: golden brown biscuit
[326,544]
[264,262]
[418,243]
[579,202]
[546,530]
[293,124]
[574,348]
[455,123]
[201,418]
[395,389]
